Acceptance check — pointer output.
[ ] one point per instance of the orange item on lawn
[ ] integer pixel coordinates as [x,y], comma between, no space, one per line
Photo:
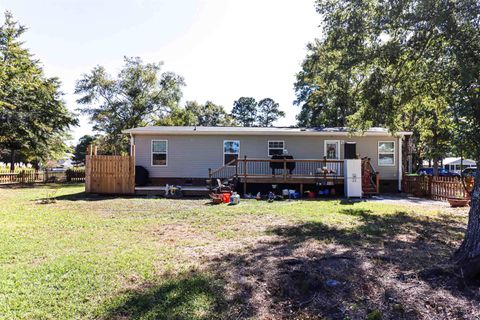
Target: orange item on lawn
[226,197]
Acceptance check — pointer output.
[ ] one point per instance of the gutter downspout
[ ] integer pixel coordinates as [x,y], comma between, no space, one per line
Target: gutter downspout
[132,143]
[400,162]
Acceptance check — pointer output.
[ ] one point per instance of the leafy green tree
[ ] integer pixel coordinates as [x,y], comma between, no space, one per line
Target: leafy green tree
[140,95]
[268,111]
[326,88]
[195,114]
[33,117]
[245,111]
[80,151]
[178,117]
[411,64]
[209,114]
[358,62]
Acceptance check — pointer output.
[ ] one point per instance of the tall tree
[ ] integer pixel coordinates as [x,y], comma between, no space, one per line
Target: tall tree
[80,151]
[268,111]
[209,114]
[415,63]
[325,88]
[140,95]
[33,117]
[196,114]
[245,111]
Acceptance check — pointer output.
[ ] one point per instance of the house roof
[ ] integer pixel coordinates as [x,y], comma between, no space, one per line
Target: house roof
[457,160]
[198,130]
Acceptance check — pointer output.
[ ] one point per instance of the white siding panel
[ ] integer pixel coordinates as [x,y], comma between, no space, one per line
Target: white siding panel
[191,156]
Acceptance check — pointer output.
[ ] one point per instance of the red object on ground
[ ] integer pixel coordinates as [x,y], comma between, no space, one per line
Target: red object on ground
[311,194]
[226,197]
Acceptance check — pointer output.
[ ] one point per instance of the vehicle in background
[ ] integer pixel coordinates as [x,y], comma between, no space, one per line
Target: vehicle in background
[442,172]
[470,172]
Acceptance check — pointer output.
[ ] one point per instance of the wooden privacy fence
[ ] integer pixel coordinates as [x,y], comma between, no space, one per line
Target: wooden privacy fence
[438,188]
[109,174]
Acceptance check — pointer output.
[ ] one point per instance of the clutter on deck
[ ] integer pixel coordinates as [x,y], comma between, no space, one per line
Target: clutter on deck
[225,195]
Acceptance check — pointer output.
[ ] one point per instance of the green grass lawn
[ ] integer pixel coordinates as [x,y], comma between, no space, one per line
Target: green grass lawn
[97,257]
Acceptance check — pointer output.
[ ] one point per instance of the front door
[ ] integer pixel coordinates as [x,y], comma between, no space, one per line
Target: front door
[350,150]
[332,149]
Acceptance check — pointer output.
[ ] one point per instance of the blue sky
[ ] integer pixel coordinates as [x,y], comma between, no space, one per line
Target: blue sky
[225,49]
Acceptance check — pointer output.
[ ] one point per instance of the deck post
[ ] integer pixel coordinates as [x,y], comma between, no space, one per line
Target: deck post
[301,190]
[245,175]
[284,169]
[209,173]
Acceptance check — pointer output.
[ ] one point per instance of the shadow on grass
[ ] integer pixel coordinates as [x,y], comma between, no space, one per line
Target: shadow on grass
[313,270]
[83,196]
[189,296]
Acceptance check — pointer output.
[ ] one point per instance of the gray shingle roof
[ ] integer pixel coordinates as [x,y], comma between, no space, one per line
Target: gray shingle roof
[256,130]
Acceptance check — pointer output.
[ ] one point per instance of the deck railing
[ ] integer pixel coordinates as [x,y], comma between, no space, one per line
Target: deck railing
[279,168]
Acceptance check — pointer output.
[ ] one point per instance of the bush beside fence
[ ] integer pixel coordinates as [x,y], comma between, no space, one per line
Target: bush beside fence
[438,188]
[75,175]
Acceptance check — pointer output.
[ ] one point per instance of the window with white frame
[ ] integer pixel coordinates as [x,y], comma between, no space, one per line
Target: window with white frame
[231,150]
[386,153]
[159,152]
[275,147]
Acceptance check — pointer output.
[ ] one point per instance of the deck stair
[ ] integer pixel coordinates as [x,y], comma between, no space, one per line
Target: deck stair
[370,179]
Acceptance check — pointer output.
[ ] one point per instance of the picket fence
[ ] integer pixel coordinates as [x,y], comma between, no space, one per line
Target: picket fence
[438,188]
[30,176]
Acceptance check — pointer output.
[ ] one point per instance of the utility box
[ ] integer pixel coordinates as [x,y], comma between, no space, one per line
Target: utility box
[352,172]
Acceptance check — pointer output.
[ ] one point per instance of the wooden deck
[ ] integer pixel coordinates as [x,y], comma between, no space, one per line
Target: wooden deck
[281,171]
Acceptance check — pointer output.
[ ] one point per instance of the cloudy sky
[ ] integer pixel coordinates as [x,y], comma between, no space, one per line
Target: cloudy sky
[225,49]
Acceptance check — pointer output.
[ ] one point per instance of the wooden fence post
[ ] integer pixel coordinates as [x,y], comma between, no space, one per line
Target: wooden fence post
[88,169]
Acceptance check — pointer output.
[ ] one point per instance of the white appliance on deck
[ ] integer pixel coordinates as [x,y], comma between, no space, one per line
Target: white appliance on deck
[352,171]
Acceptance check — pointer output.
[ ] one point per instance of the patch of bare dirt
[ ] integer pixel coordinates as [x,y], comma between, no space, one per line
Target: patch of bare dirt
[296,274]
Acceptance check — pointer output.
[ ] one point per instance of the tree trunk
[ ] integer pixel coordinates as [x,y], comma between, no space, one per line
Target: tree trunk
[12,160]
[468,255]
[435,167]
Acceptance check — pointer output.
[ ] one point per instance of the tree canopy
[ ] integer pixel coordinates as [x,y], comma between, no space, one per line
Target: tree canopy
[268,111]
[245,111]
[34,119]
[393,64]
[140,95]
[196,114]
[406,64]
[80,150]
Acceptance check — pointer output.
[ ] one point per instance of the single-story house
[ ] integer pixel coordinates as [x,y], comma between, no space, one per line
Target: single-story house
[190,155]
